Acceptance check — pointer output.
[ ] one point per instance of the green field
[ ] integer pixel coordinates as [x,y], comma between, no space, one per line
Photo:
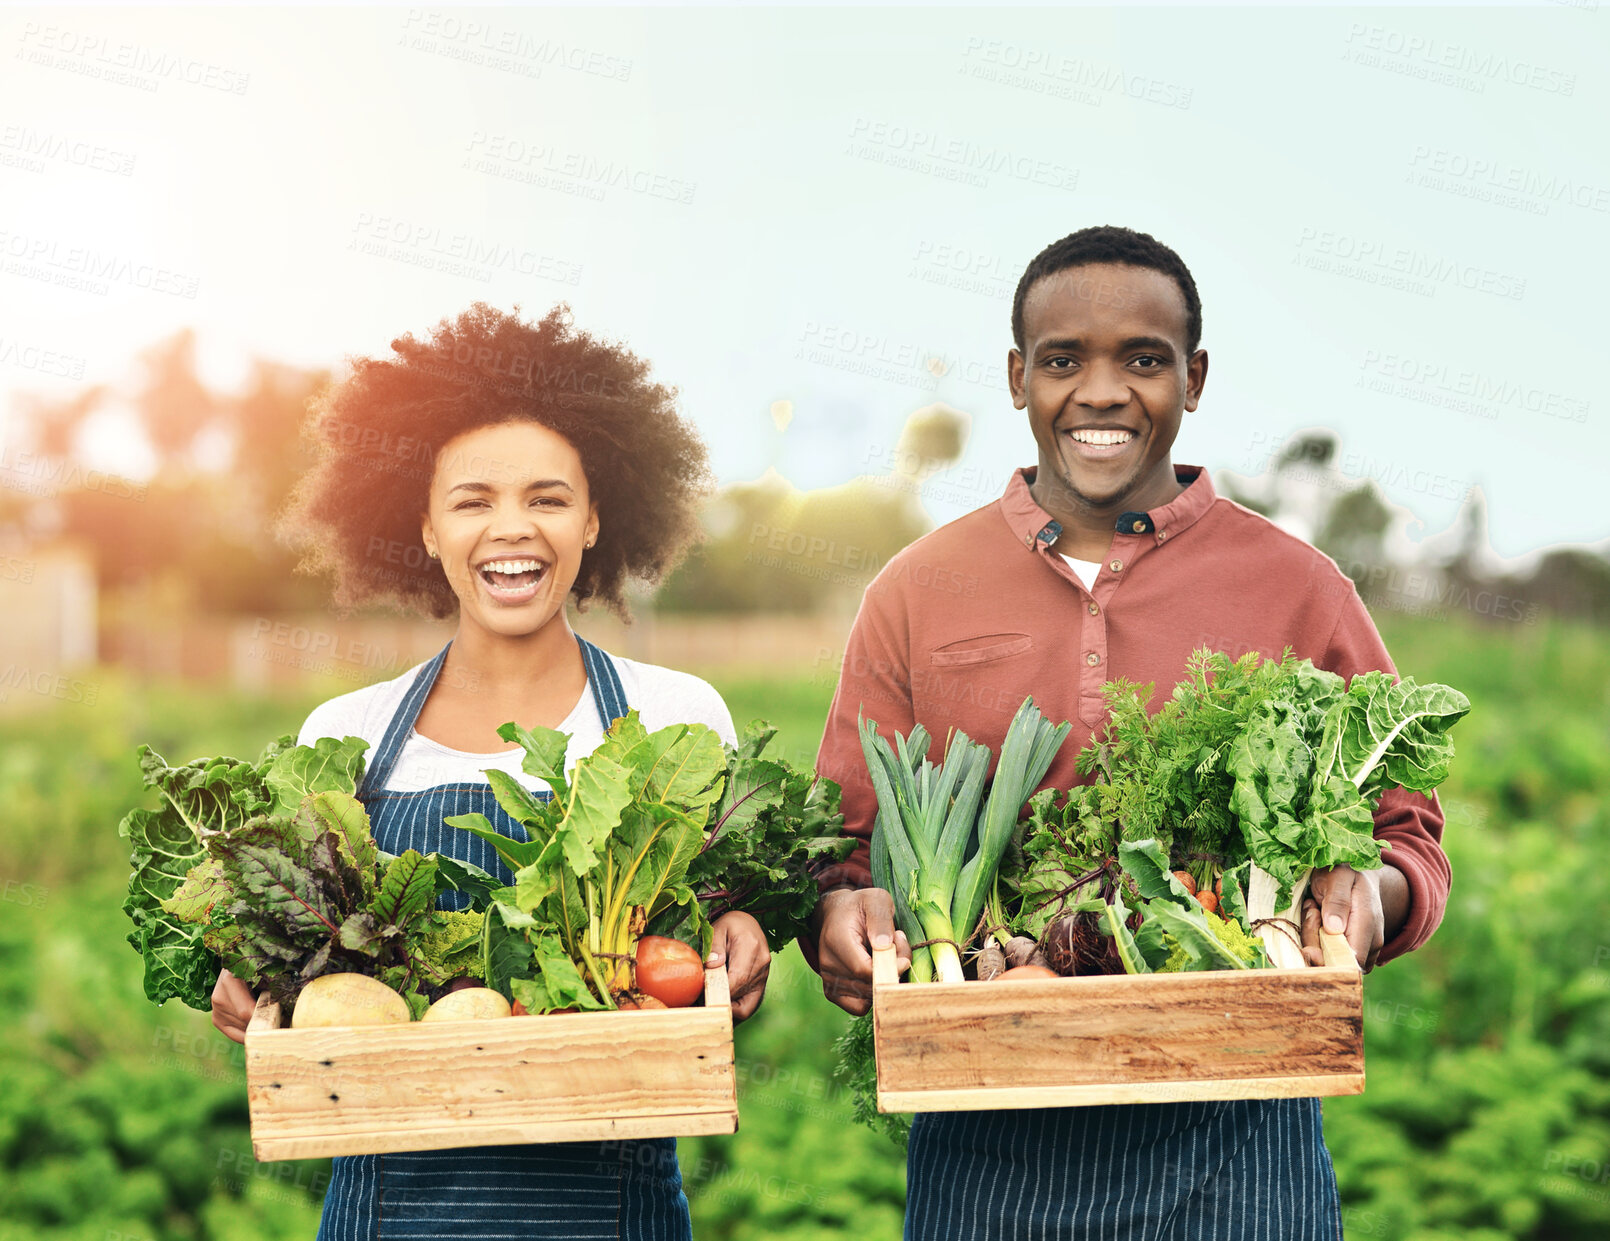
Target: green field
[1487,1113]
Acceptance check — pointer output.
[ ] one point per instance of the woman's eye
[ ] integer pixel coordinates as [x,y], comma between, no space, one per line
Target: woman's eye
[467,504]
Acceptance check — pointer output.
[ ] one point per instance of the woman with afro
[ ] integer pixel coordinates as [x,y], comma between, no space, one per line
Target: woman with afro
[499,470]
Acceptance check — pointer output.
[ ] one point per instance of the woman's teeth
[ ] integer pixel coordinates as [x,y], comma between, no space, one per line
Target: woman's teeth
[511,575]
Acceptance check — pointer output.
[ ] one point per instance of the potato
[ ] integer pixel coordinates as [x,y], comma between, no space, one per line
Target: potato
[348,1000]
[468,1004]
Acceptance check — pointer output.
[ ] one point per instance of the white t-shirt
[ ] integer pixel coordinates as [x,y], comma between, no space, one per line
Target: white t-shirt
[661,696]
[1084,570]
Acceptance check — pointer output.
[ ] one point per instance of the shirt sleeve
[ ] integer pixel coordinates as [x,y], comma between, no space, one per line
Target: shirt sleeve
[1410,823]
[874,680]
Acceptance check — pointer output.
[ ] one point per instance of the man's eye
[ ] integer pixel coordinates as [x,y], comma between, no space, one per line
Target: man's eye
[1059,363]
[1148,361]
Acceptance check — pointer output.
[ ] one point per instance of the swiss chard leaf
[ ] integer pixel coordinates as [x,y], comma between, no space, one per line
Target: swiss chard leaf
[407,889]
[328,765]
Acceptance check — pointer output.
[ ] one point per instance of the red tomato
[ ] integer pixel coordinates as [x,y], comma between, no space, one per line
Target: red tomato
[669,970]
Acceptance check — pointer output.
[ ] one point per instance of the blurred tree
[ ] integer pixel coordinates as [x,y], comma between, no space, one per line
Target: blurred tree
[774,548]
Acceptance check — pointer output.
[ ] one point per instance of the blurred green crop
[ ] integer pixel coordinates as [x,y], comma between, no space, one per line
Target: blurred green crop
[1487,1113]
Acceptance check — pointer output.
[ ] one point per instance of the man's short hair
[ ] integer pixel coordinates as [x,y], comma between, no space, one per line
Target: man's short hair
[1108,243]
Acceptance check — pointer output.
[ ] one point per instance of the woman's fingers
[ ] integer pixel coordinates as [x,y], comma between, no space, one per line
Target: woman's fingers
[232,1006]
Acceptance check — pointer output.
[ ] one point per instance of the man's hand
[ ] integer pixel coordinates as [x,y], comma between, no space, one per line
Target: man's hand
[232,1006]
[1367,906]
[740,942]
[854,921]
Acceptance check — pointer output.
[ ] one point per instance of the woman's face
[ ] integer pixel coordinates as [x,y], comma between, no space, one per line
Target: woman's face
[510,517]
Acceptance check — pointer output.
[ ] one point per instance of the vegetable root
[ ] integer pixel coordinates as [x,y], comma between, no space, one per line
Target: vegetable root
[991,960]
[1019,950]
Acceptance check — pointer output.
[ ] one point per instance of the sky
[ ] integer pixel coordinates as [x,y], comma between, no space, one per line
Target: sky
[1397,218]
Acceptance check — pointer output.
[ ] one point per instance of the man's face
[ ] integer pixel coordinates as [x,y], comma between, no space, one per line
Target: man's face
[1105,378]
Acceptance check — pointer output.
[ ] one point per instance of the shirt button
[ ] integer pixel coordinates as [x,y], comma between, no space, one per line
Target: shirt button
[1139,527]
[1028,540]
[1092,659]
[1117,566]
[1161,535]
[1095,609]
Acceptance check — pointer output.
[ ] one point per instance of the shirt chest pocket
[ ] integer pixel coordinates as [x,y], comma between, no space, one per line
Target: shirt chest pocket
[983,649]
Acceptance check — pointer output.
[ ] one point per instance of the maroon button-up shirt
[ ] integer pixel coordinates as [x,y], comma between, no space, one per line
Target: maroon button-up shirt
[962,625]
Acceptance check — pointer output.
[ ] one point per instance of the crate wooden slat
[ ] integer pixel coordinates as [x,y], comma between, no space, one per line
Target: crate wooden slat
[426,1086]
[1144,1038]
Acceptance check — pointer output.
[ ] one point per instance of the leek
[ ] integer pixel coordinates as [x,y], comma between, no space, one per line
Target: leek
[933,848]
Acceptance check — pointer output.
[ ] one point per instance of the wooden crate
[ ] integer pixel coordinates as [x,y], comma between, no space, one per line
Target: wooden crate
[1144,1038]
[426,1086]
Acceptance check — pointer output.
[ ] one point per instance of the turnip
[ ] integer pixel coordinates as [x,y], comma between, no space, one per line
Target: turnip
[348,1000]
[468,1004]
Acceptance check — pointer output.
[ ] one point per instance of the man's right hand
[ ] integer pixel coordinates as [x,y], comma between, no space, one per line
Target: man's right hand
[232,1006]
[854,921]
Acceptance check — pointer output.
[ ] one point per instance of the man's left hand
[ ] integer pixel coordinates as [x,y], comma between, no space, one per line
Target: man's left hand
[1348,902]
[739,941]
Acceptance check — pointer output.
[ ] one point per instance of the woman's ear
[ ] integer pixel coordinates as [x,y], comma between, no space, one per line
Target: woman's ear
[592,527]
[427,535]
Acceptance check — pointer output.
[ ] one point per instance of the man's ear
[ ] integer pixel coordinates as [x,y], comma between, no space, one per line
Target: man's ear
[1195,378]
[1015,377]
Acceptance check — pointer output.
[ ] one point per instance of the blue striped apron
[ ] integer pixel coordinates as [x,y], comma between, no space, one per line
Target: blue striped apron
[1246,1170]
[574,1190]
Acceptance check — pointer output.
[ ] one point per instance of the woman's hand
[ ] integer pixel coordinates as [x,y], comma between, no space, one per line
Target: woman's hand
[232,1006]
[854,921]
[741,943]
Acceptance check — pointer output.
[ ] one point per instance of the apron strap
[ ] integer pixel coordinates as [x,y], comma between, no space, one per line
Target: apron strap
[602,679]
[602,675]
[402,723]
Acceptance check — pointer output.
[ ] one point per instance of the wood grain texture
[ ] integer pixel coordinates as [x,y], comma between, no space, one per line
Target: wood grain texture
[387,1141]
[364,1090]
[1122,1092]
[1229,1034]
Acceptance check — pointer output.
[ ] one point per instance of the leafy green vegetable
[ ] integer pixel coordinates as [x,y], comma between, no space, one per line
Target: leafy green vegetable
[1253,773]
[938,852]
[773,825]
[858,1066]
[661,831]
[269,868]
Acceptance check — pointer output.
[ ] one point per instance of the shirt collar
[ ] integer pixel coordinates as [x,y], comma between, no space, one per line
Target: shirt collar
[1029,522]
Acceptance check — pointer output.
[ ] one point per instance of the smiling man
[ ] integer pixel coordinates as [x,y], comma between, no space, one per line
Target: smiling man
[1106,559]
